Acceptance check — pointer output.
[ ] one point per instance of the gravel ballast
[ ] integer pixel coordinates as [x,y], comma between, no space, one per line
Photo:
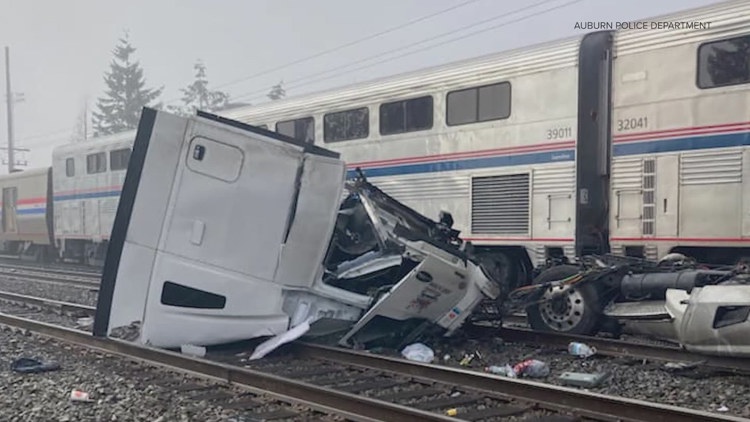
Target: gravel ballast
[119,389]
[52,291]
[635,378]
[632,378]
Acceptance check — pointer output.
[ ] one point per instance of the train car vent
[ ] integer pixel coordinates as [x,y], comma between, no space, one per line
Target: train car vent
[649,201]
[500,204]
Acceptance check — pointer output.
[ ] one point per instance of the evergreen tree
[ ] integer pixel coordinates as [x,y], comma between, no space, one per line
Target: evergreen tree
[197,96]
[126,95]
[277,92]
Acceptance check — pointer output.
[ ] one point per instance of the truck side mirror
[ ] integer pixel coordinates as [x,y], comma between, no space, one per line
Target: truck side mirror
[446,219]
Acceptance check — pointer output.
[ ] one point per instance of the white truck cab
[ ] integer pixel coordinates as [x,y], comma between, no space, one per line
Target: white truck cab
[227,232]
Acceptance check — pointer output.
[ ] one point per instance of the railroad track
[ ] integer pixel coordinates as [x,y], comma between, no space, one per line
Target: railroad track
[66,308]
[474,396]
[480,396]
[70,269]
[90,282]
[606,347]
[615,348]
[428,389]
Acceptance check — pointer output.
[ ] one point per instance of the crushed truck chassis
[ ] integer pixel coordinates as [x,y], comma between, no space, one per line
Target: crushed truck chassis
[704,309]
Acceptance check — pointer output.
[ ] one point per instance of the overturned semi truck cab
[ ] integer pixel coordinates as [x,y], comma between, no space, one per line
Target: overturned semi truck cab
[226,232]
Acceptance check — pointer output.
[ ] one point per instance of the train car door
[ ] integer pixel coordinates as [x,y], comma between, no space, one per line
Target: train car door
[594,143]
[10,197]
[667,196]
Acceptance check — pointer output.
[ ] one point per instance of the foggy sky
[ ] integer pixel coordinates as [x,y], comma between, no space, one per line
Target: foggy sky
[60,49]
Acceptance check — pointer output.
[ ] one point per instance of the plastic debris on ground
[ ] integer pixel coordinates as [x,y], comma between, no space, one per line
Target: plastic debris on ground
[506,370]
[287,336]
[531,368]
[418,352]
[679,366]
[190,350]
[580,379]
[33,366]
[85,322]
[469,358]
[80,396]
[581,350]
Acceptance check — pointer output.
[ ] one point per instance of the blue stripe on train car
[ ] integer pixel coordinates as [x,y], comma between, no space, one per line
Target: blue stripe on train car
[620,149]
[31,211]
[90,195]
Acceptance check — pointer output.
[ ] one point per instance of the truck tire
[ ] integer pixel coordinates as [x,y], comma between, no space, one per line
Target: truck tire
[578,312]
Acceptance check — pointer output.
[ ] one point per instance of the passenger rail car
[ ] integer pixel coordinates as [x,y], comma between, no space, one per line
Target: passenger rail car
[26,214]
[633,142]
[87,180]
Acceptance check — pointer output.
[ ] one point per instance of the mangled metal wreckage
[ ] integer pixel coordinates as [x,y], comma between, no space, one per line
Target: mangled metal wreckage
[701,307]
[228,232]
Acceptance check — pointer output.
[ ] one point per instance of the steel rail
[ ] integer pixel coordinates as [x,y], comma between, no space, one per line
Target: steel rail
[42,268]
[363,408]
[35,276]
[48,303]
[546,396]
[619,348]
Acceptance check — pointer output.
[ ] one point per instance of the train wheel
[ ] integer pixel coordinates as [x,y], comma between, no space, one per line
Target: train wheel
[578,311]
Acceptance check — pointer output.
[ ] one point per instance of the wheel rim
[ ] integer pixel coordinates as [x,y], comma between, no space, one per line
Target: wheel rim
[563,308]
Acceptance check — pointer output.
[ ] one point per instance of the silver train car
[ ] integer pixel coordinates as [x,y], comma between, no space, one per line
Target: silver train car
[26,214]
[65,212]
[633,141]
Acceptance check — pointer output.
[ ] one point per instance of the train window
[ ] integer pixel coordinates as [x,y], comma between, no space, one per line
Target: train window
[406,116]
[70,167]
[119,158]
[479,104]
[724,63]
[96,163]
[346,125]
[300,129]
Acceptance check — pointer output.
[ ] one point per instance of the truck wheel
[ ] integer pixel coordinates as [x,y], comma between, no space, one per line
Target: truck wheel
[576,312]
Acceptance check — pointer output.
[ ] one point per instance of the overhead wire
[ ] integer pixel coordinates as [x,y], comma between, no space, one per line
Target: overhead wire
[343,46]
[304,81]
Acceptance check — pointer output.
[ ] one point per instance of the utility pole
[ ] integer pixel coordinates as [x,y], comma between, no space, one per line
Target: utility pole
[12,98]
[9,95]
